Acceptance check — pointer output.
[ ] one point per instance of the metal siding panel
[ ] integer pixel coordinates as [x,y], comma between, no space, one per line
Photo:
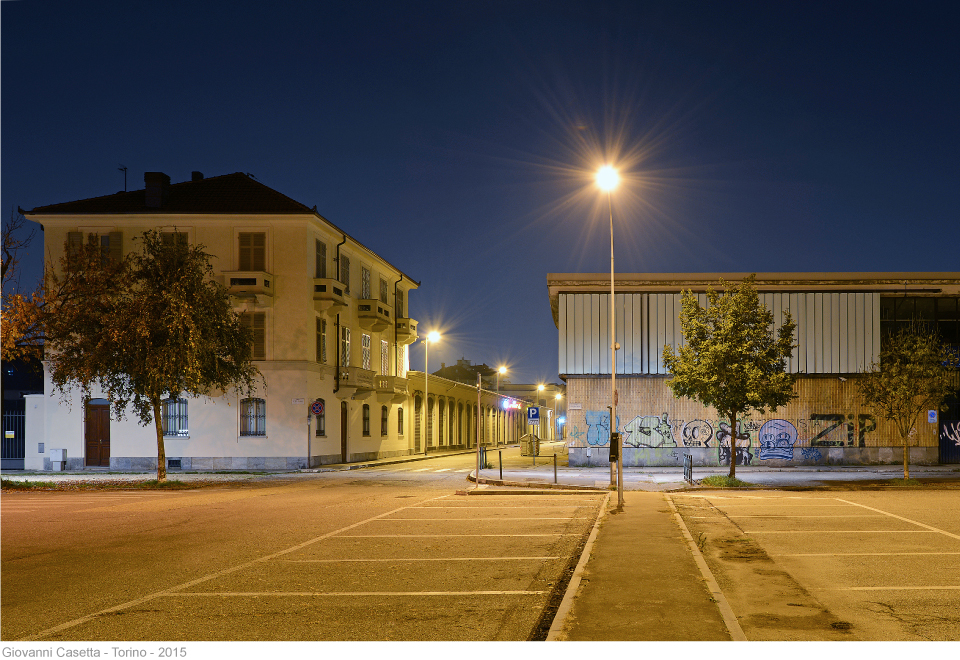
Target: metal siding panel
[577,334]
[835,333]
[661,322]
[598,329]
[842,337]
[620,335]
[562,336]
[871,316]
[876,328]
[818,333]
[638,346]
[858,337]
[809,302]
[799,313]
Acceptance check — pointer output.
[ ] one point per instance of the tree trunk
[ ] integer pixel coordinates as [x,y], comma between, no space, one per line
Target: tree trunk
[906,457]
[161,453]
[733,445]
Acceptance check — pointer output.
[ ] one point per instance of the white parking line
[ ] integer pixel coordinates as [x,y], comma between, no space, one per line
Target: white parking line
[912,522]
[857,554]
[391,559]
[911,588]
[840,531]
[258,594]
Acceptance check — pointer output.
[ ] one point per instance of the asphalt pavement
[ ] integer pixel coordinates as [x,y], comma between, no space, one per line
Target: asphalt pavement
[640,566]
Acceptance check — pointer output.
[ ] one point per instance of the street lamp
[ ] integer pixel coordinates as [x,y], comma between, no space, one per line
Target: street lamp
[607,180]
[431,337]
[500,372]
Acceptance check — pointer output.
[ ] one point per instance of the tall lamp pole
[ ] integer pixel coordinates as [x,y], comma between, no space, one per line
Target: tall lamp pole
[431,337]
[607,180]
[500,372]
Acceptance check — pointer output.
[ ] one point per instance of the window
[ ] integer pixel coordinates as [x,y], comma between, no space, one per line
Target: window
[111,244]
[257,322]
[321,259]
[173,238]
[440,422]
[383,291]
[253,417]
[364,283]
[345,272]
[399,421]
[384,417]
[384,357]
[366,419]
[344,347]
[173,414]
[253,251]
[321,420]
[400,313]
[401,360]
[321,340]
[365,345]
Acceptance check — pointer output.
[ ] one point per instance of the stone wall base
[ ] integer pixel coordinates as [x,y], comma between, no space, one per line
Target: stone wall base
[599,456]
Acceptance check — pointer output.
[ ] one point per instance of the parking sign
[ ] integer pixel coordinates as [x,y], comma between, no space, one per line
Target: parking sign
[533,415]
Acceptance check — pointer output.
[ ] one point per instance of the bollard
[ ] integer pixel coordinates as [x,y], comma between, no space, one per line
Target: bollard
[501,464]
[554,467]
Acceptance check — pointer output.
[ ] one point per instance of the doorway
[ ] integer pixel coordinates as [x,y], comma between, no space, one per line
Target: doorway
[97,434]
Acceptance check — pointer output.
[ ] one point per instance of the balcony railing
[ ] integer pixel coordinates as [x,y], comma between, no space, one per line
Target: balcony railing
[361,379]
[406,330]
[373,315]
[328,295]
[390,387]
[250,284]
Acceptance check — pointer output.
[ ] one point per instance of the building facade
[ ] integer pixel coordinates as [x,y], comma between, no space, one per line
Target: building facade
[330,324]
[840,317]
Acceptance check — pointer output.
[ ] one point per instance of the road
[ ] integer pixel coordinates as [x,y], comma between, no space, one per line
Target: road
[360,555]
[859,565]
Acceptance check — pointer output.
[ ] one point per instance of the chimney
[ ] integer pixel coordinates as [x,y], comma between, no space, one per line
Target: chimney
[196,176]
[157,188]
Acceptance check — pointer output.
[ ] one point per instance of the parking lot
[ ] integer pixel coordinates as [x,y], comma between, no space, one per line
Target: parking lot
[448,567]
[871,565]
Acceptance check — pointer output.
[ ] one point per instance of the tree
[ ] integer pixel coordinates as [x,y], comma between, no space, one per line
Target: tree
[153,326]
[732,360]
[913,375]
[22,332]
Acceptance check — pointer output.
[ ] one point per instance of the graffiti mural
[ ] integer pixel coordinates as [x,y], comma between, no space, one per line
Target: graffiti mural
[777,438]
[598,427]
[951,434]
[744,455]
[838,430]
[696,433]
[810,453]
[649,431]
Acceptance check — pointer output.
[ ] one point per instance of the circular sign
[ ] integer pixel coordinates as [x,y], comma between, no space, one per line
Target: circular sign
[316,407]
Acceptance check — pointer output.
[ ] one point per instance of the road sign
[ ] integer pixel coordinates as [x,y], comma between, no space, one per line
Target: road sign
[533,415]
[316,407]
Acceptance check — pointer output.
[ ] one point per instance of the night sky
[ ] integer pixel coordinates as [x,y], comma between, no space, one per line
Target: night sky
[459,140]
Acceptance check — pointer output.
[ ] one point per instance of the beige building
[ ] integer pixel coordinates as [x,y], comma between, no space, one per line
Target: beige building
[331,335]
[840,319]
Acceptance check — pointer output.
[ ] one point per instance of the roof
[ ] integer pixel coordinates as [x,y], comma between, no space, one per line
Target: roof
[230,193]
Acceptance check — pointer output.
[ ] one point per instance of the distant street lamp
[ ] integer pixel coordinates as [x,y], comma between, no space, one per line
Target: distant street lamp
[431,337]
[607,180]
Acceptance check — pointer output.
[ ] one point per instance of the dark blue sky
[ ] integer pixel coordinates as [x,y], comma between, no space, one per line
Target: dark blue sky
[458,140]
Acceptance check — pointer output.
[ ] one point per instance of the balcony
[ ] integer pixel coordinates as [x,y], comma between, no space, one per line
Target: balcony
[390,388]
[373,315]
[355,382]
[247,284]
[328,295]
[406,331]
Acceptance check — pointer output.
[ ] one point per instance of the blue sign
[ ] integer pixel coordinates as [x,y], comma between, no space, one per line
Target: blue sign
[533,415]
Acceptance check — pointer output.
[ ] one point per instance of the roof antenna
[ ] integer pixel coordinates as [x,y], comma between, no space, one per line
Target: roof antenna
[252,176]
[123,168]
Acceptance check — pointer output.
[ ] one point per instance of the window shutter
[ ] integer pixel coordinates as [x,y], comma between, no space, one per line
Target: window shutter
[253,251]
[74,243]
[257,322]
[116,246]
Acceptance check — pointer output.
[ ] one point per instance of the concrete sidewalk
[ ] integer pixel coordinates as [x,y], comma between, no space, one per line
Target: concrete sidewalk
[639,580]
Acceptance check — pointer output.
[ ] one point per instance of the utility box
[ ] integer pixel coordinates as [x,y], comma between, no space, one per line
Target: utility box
[58,459]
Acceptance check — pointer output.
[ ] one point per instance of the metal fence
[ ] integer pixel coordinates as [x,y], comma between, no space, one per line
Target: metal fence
[14,439]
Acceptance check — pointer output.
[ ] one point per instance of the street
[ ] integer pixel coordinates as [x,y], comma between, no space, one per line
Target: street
[335,556]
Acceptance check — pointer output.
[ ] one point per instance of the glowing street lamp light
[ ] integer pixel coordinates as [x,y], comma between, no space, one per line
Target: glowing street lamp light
[607,180]
[500,372]
[431,337]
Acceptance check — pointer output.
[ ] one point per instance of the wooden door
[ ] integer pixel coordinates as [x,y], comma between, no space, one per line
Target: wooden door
[343,431]
[98,435]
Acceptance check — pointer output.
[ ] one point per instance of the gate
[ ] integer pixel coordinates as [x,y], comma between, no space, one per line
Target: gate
[950,432]
[14,442]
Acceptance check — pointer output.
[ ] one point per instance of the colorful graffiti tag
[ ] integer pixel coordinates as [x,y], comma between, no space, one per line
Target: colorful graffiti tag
[773,439]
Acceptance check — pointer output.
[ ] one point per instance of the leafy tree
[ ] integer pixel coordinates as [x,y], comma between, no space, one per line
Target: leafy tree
[153,326]
[914,375]
[22,332]
[732,360]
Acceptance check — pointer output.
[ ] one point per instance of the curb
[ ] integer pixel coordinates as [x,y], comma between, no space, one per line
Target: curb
[542,486]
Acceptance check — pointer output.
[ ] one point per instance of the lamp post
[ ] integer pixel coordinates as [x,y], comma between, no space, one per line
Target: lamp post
[431,337]
[607,180]
[500,372]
